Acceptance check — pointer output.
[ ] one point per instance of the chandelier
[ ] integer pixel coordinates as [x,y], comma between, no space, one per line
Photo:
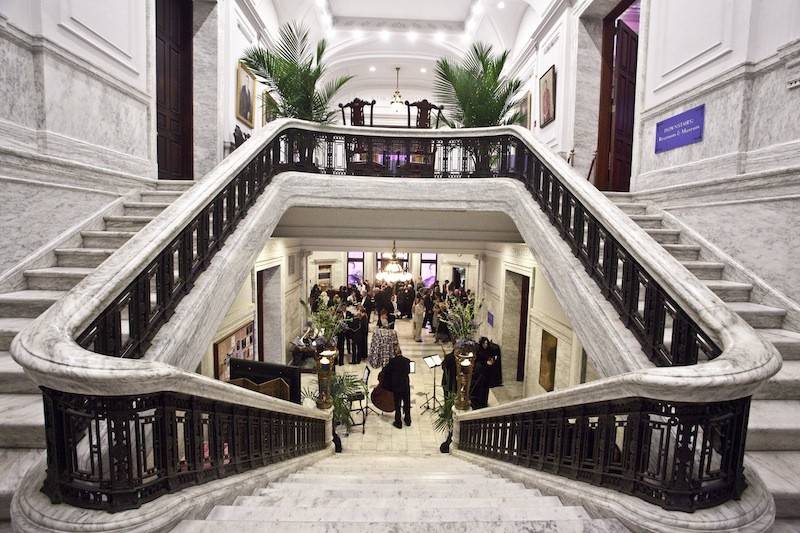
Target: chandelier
[397,104]
[393,272]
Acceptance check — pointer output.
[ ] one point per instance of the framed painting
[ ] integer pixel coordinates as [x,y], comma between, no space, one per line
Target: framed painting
[269,108]
[524,107]
[547,97]
[239,344]
[245,96]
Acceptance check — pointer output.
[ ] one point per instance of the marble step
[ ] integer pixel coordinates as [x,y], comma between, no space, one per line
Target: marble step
[12,378]
[704,269]
[14,464]
[56,278]
[528,526]
[631,208]
[785,385]
[759,316]
[780,472]
[729,291]
[126,222]
[370,485]
[774,425]
[785,341]
[28,303]
[174,185]
[144,208]
[21,421]
[665,236]
[346,501]
[647,221]
[686,252]
[336,514]
[785,526]
[9,327]
[301,491]
[382,478]
[389,470]
[158,197]
[105,239]
[82,257]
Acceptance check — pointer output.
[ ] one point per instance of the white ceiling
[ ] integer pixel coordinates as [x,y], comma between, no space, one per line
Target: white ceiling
[411,34]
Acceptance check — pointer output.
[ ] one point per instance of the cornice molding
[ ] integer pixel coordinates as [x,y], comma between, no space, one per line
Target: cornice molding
[554,10]
[397,25]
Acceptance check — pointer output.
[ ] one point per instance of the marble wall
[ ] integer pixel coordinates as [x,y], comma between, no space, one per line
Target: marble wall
[25,230]
[205,86]
[512,301]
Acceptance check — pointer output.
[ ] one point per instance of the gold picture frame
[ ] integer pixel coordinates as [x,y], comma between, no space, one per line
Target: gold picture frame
[245,96]
[547,97]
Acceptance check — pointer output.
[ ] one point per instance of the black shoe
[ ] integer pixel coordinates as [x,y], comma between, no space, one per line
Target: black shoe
[408,421]
[397,424]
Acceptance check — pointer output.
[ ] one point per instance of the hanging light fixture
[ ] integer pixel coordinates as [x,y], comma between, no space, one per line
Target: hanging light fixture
[393,272]
[397,103]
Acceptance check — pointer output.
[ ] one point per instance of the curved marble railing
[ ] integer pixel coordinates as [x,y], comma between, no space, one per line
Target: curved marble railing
[49,351]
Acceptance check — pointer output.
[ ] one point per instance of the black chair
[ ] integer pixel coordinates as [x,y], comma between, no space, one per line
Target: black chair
[363,401]
[357,112]
[424,108]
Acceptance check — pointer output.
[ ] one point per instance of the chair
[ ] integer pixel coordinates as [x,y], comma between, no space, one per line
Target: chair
[363,401]
[357,111]
[424,108]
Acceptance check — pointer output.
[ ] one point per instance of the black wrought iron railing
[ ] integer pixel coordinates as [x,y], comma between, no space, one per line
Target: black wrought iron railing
[680,456]
[115,453]
[666,332]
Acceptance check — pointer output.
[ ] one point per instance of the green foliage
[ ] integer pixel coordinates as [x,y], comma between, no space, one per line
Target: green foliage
[293,72]
[327,319]
[443,415]
[474,92]
[461,318]
[342,386]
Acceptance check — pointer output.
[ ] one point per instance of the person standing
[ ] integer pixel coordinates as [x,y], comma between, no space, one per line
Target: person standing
[395,379]
[385,343]
[363,332]
[417,318]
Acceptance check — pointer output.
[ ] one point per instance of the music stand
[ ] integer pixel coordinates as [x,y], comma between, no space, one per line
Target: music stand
[431,402]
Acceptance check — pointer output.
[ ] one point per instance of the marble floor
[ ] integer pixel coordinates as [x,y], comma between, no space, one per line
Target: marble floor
[419,438]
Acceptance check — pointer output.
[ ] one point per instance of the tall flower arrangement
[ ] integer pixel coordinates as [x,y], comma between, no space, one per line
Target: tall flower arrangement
[326,321]
[462,319]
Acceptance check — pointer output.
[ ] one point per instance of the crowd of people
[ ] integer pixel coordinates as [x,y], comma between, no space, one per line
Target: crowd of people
[426,307]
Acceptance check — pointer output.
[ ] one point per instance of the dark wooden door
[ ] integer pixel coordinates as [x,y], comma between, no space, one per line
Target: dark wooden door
[523,328]
[624,99]
[174,89]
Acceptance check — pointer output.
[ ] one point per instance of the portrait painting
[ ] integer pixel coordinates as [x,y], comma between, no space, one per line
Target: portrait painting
[547,97]
[245,96]
[524,107]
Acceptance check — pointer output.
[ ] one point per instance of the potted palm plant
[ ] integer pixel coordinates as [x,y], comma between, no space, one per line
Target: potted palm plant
[476,94]
[342,387]
[443,420]
[293,74]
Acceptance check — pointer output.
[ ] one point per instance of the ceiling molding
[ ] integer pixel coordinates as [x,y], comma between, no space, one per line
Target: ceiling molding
[549,17]
[397,25]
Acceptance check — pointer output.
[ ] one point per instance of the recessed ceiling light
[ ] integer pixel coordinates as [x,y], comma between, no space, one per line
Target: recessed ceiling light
[385,36]
[423,70]
[412,36]
[372,69]
[501,5]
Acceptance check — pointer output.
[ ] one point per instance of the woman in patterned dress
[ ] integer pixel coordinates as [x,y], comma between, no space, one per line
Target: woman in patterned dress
[384,343]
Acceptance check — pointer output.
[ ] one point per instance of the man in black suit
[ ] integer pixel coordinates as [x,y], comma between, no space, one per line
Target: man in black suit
[396,380]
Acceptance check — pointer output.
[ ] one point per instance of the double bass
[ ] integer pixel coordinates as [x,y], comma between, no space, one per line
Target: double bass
[381,397]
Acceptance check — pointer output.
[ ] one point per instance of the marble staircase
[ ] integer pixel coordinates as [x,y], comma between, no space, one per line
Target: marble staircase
[22,439]
[773,438]
[382,493]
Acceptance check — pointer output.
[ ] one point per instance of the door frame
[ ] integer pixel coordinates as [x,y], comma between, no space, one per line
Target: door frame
[522,346]
[602,174]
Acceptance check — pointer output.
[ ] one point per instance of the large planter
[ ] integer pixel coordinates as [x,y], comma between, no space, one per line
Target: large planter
[464,351]
[325,361]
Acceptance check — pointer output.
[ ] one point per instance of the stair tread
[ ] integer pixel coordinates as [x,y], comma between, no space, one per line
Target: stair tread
[94,251]
[529,526]
[751,307]
[779,470]
[13,379]
[725,284]
[14,324]
[785,385]
[774,415]
[128,218]
[787,342]
[644,217]
[29,295]
[680,246]
[60,271]
[107,233]
[21,421]
[146,204]
[382,503]
[708,264]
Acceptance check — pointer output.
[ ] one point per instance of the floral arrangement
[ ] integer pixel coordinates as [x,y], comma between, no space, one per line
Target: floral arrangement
[326,321]
[462,318]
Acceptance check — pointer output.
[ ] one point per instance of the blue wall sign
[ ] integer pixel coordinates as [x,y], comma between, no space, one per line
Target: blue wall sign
[680,130]
[490,318]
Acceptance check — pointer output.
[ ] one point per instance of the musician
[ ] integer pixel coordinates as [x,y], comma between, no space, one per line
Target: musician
[395,379]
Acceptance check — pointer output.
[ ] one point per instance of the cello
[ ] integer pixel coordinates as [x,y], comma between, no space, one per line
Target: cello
[381,397]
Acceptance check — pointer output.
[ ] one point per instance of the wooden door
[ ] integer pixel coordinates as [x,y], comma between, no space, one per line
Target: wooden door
[623,107]
[523,327]
[174,89]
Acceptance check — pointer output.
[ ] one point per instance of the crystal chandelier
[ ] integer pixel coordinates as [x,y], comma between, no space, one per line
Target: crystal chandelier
[393,272]
[397,104]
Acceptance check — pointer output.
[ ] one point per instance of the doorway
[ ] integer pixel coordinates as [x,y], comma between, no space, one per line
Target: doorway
[174,89]
[617,97]
[515,326]
[269,309]
[459,277]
